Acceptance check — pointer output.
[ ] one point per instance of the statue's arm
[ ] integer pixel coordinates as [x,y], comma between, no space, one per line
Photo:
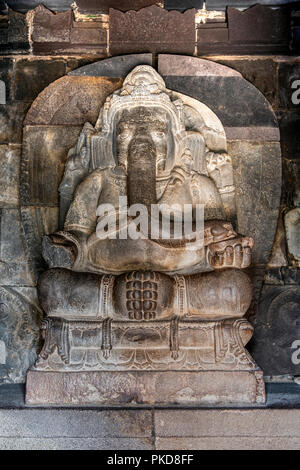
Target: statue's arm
[81,216]
[224,247]
[61,249]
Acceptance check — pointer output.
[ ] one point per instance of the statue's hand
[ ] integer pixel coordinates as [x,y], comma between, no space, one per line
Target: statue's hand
[217,231]
[233,253]
[61,249]
[178,175]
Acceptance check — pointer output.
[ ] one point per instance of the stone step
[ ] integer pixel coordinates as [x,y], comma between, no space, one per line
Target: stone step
[138,428]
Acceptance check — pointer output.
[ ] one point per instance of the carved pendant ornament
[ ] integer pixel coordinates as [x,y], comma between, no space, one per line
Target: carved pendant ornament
[120,295]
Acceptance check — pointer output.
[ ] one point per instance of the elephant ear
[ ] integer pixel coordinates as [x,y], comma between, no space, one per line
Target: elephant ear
[193,144]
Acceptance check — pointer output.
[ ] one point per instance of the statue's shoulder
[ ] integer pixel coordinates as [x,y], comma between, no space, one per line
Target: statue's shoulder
[206,190]
[204,181]
[98,173]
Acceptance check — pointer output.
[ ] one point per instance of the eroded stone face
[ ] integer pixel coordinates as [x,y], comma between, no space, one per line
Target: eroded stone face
[141,122]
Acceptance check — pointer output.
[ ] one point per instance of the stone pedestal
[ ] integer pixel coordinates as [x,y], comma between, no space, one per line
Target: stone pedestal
[165,362]
[149,388]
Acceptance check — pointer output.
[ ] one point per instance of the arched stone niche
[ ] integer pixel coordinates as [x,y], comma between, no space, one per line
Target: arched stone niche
[56,117]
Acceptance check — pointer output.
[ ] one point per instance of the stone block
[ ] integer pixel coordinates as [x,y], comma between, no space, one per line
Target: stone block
[12,115]
[32,76]
[90,37]
[289,123]
[291,275]
[288,75]
[292,228]
[182,5]
[72,100]
[6,73]
[14,34]
[14,269]
[291,183]
[227,443]
[227,423]
[9,175]
[261,72]
[258,192]
[45,150]
[276,328]
[236,102]
[101,424]
[286,275]
[278,254]
[51,27]
[20,321]
[57,33]
[114,67]
[37,222]
[103,6]
[134,444]
[152,29]
[295,39]
[144,387]
[211,35]
[260,28]
[25,5]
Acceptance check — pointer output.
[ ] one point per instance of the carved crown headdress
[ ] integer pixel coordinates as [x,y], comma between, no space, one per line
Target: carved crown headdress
[143,85]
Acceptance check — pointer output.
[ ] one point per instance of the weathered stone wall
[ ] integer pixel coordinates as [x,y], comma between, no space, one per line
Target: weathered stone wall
[41,47]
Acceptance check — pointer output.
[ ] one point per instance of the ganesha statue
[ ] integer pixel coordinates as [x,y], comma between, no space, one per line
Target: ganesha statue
[134,312]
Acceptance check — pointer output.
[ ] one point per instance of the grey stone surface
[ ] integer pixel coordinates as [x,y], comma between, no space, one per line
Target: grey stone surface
[9,175]
[253,133]
[260,71]
[235,101]
[227,423]
[258,187]
[292,228]
[72,101]
[32,76]
[289,122]
[12,115]
[134,444]
[20,321]
[170,65]
[277,327]
[283,395]
[6,73]
[227,443]
[12,395]
[278,254]
[144,387]
[278,395]
[37,222]
[45,151]
[114,67]
[14,268]
[75,423]
[284,275]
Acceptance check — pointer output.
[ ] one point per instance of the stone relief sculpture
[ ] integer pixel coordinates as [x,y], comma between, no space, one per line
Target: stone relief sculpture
[146,320]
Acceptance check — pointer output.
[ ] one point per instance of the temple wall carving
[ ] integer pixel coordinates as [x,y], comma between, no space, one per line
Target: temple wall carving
[49,100]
